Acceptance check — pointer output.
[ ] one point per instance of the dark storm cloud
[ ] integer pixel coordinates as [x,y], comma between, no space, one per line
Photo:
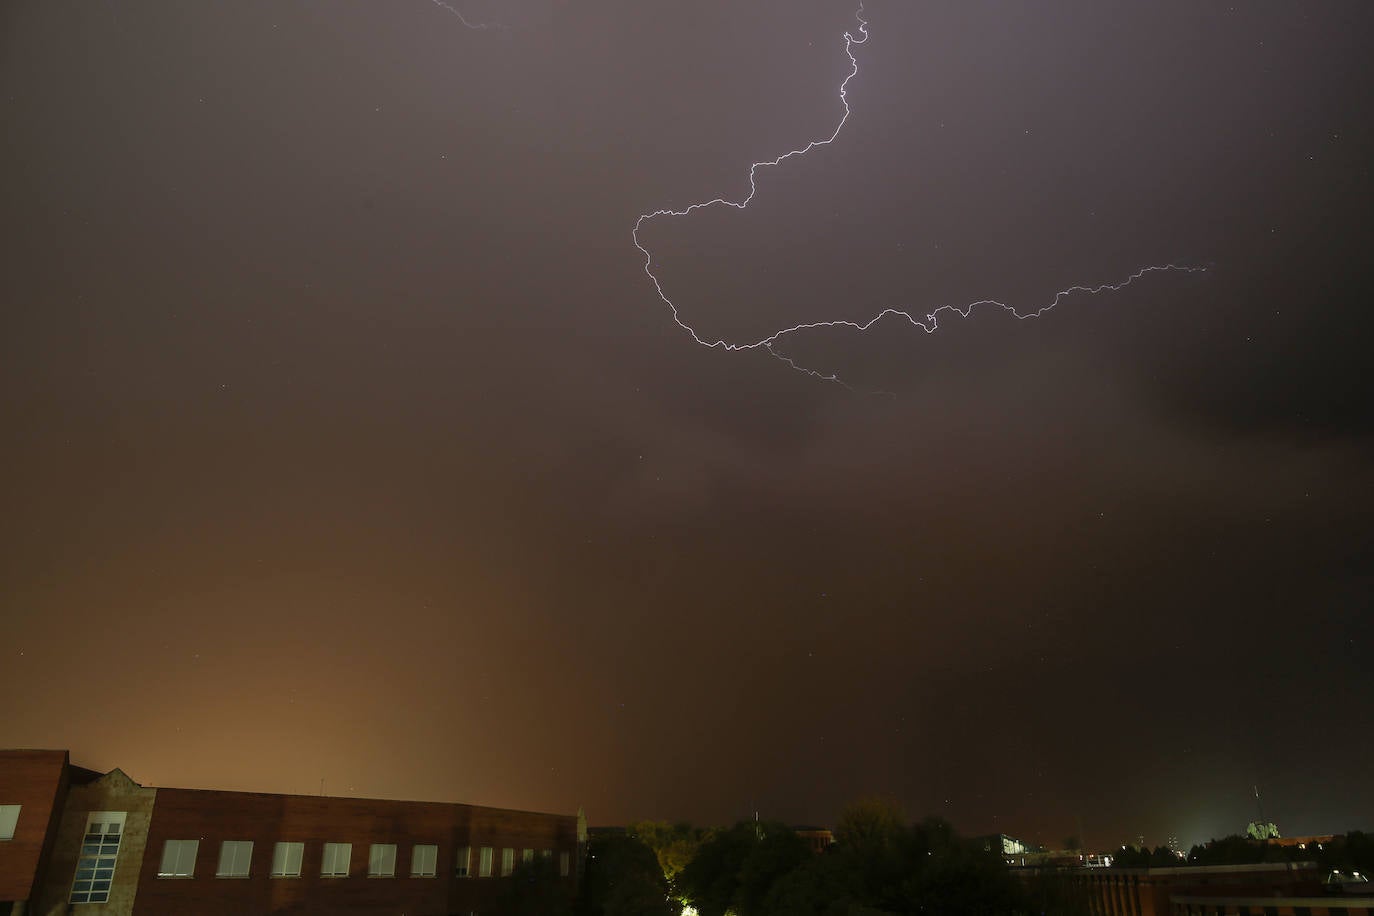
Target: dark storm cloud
[337,403]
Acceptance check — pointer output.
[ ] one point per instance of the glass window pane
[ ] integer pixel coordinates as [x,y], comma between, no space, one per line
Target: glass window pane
[337,858]
[381,860]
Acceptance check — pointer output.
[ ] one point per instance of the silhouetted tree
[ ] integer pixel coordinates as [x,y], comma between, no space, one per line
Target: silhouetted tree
[1238,850]
[710,882]
[675,845]
[1353,852]
[819,886]
[777,852]
[735,869]
[872,840]
[1131,857]
[1163,857]
[623,878]
[953,877]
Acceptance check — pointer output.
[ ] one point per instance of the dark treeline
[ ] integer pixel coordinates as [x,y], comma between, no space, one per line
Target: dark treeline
[1351,852]
[879,865]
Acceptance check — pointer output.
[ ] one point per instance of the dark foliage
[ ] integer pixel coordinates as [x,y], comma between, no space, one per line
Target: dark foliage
[623,878]
[879,866]
[1353,852]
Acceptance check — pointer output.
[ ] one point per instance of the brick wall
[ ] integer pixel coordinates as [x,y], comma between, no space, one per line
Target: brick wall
[36,780]
[212,817]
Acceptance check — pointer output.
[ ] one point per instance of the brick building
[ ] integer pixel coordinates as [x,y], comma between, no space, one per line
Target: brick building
[1270,889]
[72,840]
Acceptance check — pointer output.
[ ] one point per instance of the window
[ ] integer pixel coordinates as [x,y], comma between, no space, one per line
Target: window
[336,860]
[422,859]
[234,857]
[546,854]
[484,862]
[563,861]
[462,861]
[527,857]
[178,858]
[286,860]
[9,816]
[381,861]
[99,850]
[507,861]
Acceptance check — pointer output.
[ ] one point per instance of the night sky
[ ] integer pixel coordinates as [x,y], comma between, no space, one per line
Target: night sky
[345,438]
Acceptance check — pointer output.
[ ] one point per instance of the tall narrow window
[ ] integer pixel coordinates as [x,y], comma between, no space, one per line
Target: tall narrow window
[337,857]
[462,861]
[563,863]
[234,857]
[507,861]
[286,860]
[178,859]
[9,816]
[527,857]
[422,860]
[484,862]
[99,851]
[381,861]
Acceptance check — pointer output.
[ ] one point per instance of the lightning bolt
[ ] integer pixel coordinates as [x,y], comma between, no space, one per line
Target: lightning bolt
[929,322]
[476,26]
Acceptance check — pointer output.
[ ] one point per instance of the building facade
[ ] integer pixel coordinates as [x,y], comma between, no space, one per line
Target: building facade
[1270,889]
[102,844]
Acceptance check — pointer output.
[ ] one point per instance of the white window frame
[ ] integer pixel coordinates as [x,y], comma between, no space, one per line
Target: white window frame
[235,859]
[507,862]
[282,855]
[337,859]
[9,819]
[424,860]
[484,862]
[462,862]
[381,860]
[98,858]
[179,859]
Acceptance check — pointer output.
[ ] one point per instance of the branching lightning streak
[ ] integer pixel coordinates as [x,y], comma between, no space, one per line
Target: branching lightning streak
[477,26]
[929,323]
